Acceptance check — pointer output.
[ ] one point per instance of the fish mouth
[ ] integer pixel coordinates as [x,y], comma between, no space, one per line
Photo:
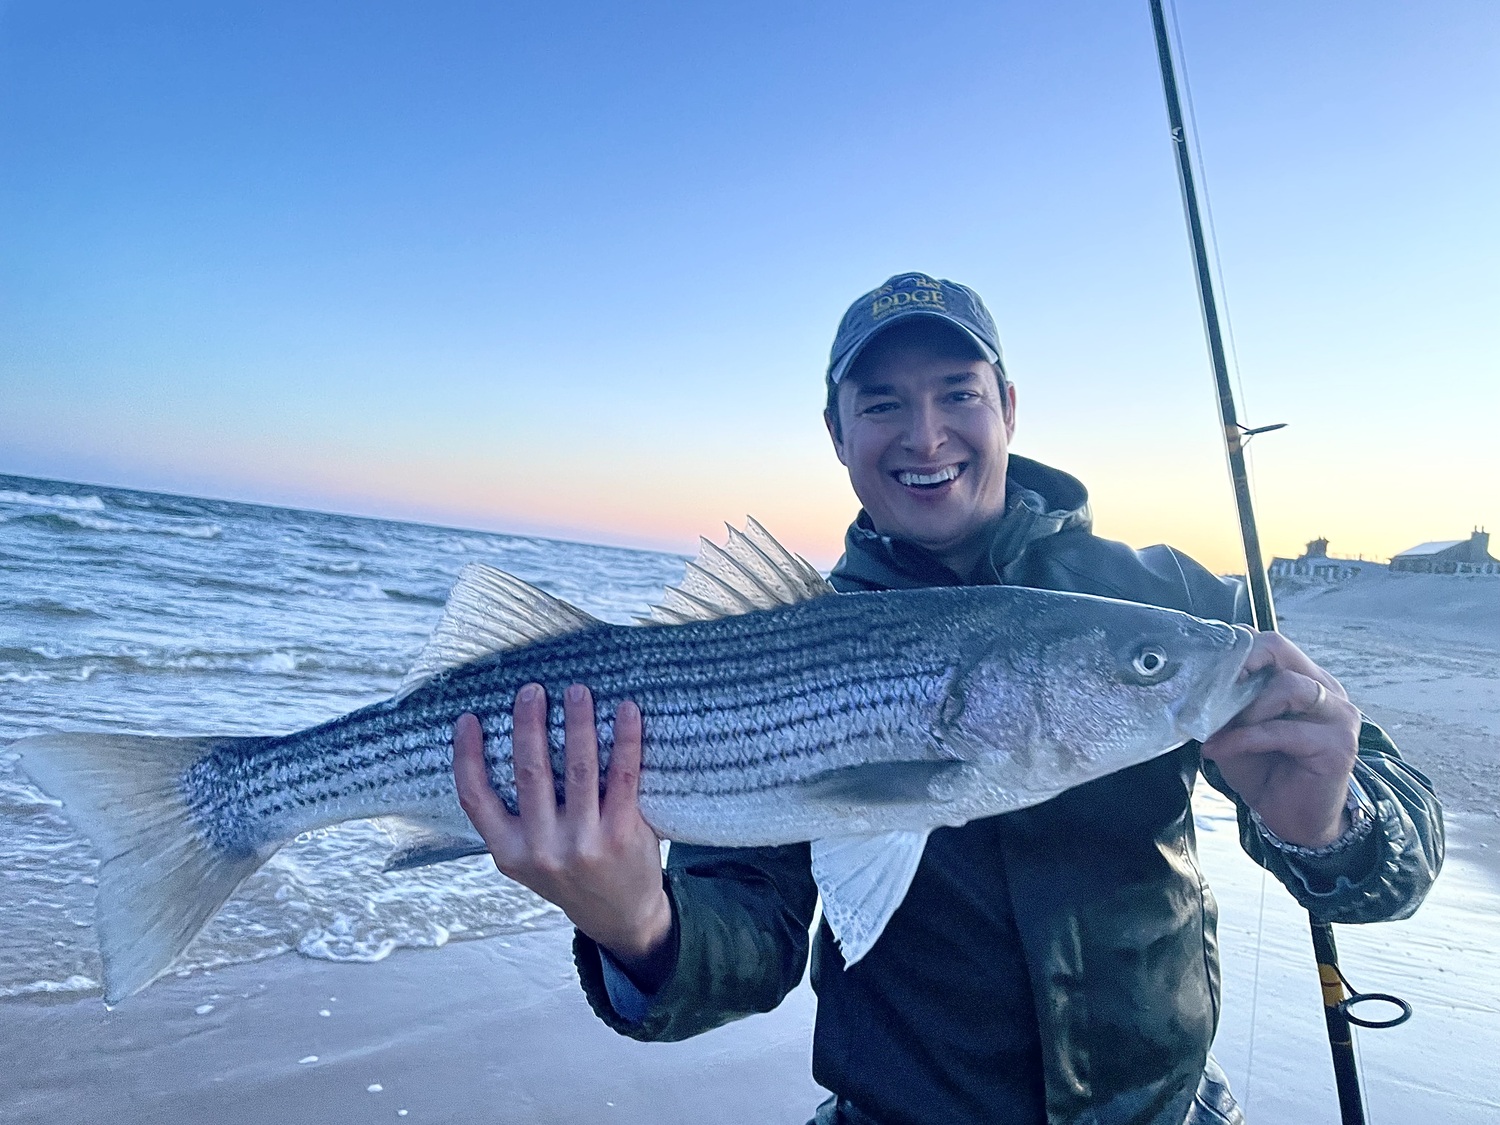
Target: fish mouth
[1203,714]
[929,480]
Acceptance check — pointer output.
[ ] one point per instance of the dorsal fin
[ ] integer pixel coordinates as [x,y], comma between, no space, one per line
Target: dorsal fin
[490,611]
[752,571]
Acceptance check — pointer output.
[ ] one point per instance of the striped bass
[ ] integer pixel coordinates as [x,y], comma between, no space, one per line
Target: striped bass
[771,715]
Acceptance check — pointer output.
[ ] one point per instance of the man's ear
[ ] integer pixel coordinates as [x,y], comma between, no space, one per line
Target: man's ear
[1010,411]
[833,435]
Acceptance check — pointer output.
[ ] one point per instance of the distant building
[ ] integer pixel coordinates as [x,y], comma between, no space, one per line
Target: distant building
[1450,556]
[1315,564]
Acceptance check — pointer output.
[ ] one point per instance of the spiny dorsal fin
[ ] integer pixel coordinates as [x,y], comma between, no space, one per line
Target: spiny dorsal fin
[752,571]
[491,611]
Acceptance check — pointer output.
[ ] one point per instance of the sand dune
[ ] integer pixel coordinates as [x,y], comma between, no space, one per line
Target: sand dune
[1420,654]
[1466,605]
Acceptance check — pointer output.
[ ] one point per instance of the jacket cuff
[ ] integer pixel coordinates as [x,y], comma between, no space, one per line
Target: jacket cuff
[1389,872]
[1350,857]
[613,996]
[625,996]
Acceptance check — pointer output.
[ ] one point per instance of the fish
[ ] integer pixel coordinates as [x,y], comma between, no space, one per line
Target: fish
[774,711]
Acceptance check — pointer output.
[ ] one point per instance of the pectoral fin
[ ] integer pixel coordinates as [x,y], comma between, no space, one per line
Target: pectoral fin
[881,783]
[863,879]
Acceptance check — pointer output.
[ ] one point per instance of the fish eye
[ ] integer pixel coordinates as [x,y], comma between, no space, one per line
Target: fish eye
[1150,662]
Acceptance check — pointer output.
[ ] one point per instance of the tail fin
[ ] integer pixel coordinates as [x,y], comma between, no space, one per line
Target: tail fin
[160,880]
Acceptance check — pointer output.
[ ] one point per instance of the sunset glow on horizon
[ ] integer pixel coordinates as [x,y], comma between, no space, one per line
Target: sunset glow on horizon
[575,272]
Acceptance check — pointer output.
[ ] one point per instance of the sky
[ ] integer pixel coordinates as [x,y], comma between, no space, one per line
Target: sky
[574,269]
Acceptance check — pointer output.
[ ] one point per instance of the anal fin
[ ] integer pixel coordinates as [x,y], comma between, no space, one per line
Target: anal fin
[414,844]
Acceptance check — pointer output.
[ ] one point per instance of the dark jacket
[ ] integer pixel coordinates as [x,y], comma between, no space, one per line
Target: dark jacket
[1054,964]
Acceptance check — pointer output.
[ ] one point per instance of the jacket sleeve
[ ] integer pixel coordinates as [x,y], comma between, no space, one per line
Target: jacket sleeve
[740,918]
[1383,877]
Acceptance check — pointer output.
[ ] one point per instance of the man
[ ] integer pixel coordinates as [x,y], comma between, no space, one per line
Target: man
[1054,964]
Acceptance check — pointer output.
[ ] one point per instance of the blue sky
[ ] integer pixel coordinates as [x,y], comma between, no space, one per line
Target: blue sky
[575,269]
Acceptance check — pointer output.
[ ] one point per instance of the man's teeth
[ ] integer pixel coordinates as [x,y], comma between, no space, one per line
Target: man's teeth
[950,473]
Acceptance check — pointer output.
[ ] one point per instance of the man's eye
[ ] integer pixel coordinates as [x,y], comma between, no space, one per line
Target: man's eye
[964,396]
[879,408]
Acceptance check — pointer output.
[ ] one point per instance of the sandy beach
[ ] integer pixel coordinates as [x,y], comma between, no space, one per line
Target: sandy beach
[496,1029]
[1421,656]
[492,1030]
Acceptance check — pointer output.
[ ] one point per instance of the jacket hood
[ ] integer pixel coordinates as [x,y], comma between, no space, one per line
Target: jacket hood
[1040,502]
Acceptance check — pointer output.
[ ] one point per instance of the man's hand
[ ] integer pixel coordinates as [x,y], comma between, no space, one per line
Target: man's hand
[1290,753]
[600,863]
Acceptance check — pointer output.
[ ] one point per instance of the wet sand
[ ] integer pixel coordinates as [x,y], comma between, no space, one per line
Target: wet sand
[496,1030]
[492,1030]
[1421,656]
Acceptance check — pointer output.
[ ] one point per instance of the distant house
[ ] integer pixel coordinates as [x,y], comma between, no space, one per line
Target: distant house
[1315,564]
[1449,556]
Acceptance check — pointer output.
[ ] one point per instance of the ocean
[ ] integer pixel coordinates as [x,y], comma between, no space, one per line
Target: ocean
[145,613]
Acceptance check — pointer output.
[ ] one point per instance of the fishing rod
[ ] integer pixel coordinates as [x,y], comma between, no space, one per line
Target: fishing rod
[1336,1001]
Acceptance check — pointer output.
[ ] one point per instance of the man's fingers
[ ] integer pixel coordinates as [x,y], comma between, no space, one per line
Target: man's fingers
[535,792]
[1274,650]
[581,756]
[1296,738]
[1291,694]
[623,788]
[1321,694]
[480,803]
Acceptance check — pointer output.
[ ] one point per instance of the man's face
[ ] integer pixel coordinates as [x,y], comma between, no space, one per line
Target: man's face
[926,441]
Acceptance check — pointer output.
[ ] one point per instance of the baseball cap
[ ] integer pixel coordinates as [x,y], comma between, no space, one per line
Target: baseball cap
[908,295]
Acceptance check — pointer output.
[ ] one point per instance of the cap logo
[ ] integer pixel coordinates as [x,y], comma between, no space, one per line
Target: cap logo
[887,303]
[910,293]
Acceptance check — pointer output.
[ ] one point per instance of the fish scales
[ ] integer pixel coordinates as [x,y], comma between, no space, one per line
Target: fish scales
[399,756]
[734,705]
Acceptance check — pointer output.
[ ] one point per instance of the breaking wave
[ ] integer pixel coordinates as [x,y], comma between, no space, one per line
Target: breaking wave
[75,985]
[276,662]
[70,521]
[77,520]
[61,500]
[44,675]
[189,531]
[48,607]
[413,599]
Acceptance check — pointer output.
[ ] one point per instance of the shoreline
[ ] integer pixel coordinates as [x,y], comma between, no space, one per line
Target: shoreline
[497,1028]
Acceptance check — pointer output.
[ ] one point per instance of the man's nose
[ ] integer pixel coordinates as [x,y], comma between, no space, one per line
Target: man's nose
[925,432]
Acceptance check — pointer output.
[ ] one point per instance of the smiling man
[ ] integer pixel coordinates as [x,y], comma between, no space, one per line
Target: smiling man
[1055,964]
[923,425]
